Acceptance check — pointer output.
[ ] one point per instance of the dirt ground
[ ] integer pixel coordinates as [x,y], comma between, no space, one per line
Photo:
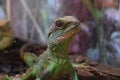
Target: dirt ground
[11,64]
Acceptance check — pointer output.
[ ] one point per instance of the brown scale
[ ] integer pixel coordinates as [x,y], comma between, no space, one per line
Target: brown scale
[67,35]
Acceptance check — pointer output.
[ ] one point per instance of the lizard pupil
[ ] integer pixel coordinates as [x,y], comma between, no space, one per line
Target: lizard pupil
[59,23]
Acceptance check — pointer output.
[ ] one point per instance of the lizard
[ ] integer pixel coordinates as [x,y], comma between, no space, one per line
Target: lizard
[54,62]
[6,35]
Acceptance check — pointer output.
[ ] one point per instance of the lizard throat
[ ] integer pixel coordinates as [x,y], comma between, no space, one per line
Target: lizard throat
[67,36]
[62,43]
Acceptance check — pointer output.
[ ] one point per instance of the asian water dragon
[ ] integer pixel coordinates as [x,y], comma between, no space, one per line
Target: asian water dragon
[54,63]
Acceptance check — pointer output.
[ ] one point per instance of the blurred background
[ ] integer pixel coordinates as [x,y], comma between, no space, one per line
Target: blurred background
[99,38]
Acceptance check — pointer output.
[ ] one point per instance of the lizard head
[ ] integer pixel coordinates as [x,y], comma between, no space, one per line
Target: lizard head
[63,30]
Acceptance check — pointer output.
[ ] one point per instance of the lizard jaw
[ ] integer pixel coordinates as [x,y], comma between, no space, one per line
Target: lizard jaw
[69,33]
[72,30]
[72,26]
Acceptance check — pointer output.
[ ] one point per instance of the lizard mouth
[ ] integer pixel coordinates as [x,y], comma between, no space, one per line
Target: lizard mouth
[68,34]
[72,30]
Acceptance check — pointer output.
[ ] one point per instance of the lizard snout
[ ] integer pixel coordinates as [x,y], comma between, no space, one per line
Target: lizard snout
[77,24]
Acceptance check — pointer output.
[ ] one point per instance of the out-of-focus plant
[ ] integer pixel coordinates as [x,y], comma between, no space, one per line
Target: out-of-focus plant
[49,10]
[97,15]
[33,18]
[113,49]
[2,13]
[77,9]
[107,51]
[6,34]
[110,4]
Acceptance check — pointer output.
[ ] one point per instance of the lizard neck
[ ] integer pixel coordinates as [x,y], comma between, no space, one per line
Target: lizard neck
[59,46]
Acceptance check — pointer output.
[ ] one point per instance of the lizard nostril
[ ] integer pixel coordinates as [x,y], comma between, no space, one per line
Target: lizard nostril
[77,24]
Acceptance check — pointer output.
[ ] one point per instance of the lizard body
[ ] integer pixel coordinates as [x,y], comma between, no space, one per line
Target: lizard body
[54,63]
[6,35]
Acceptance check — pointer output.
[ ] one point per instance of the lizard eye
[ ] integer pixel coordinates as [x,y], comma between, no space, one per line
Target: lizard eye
[59,24]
